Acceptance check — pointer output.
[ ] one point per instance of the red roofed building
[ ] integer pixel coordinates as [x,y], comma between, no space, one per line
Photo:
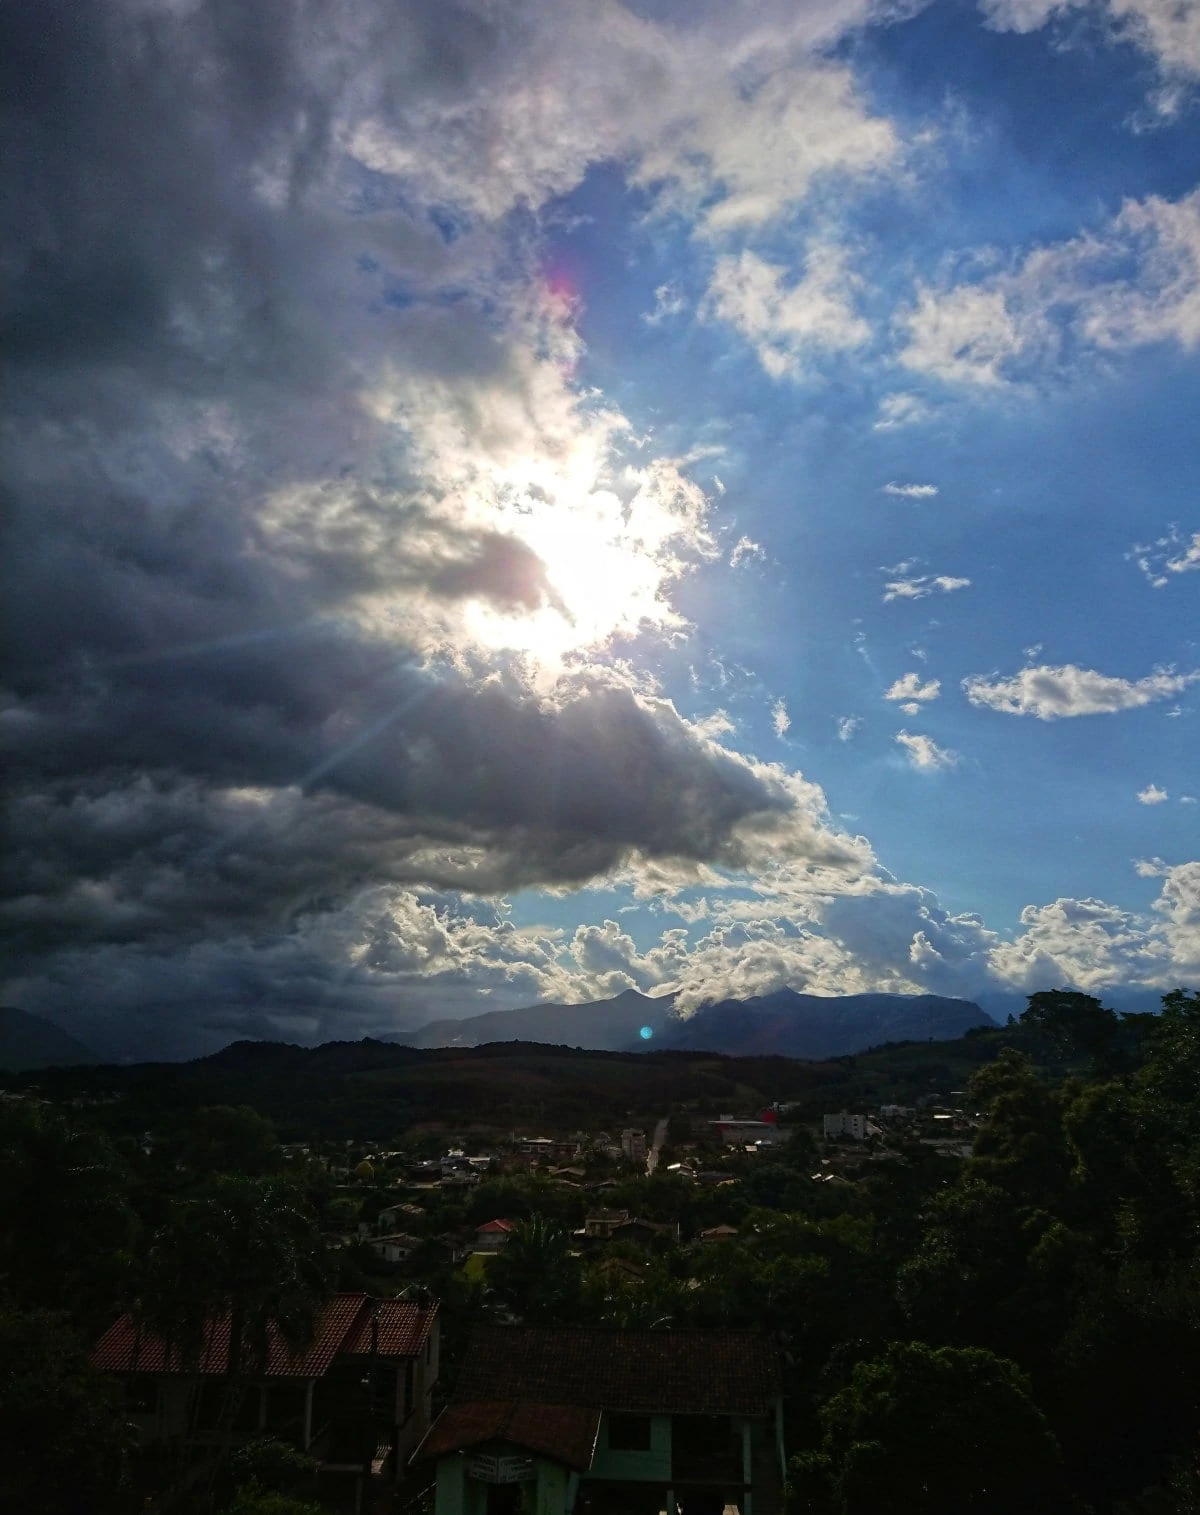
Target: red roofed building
[360,1393]
[609,1422]
[492,1235]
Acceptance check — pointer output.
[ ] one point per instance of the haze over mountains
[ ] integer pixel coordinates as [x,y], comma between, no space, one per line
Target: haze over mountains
[785,1022]
[28,1042]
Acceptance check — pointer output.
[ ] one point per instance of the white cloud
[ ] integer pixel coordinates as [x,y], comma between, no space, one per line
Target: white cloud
[714,726]
[911,491]
[1188,799]
[1151,795]
[746,550]
[1168,30]
[1168,554]
[924,753]
[847,726]
[1133,282]
[668,302]
[780,720]
[901,409]
[920,586]
[1053,692]
[910,687]
[728,122]
[1084,944]
[785,324]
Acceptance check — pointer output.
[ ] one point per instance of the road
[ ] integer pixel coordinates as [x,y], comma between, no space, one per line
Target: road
[660,1136]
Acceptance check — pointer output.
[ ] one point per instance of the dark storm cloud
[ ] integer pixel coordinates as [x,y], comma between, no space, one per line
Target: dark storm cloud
[214,735]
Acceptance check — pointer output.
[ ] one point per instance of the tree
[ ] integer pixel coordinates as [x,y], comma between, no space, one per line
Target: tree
[945,1431]
[68,1229]
[1074,1023]
[535,1276]
[230,1139]
[246,1250]
[67,1437]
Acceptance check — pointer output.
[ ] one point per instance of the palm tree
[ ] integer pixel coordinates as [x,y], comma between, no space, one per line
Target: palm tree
[536,1276]
[246,1250]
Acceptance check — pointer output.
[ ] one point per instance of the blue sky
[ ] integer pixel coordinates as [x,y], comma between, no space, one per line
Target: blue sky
[740,465]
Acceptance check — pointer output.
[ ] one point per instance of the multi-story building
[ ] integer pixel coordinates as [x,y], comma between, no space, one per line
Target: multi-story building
[358,1399]
[605,1422]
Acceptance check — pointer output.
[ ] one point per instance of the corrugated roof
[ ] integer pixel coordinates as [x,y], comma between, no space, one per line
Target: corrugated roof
[124,1348]
[565,1433]
[694,1372]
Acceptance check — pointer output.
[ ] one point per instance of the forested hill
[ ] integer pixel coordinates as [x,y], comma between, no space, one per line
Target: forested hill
[373,1089]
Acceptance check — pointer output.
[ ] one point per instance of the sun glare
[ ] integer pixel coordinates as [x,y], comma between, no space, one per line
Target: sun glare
[607,567]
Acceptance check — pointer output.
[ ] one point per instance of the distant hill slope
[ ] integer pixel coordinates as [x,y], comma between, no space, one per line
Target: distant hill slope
[784,1023]
[28,1042]
[607,1025]
[818,1026]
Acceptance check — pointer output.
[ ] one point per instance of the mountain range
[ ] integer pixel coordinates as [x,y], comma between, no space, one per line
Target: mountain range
[785,1022]
[28,1042]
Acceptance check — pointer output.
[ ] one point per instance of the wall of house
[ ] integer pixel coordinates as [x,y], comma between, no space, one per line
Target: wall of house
[450,1496]
[457,1494]
[651,1466]
[552,1480]
[174,1397]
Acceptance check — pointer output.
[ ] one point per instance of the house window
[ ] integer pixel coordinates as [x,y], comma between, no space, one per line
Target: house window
[629,1433]
[141,1394]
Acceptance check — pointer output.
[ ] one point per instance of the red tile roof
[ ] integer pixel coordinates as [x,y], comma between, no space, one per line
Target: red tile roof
[495,1225]
[565,1433]
[403,1327]
[694,1372]
[344,1324]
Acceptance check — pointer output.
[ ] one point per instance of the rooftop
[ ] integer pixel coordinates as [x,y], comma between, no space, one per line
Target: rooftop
[343,1329]
[692,1372]
[565,1433]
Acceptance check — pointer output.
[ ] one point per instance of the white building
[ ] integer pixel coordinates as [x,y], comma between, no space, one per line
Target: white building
[740,1133]
[845,1124]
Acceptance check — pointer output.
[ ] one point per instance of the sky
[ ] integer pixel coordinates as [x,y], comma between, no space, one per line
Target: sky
[511,502]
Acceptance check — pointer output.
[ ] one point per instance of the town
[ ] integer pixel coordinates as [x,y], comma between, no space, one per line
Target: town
[673,1314]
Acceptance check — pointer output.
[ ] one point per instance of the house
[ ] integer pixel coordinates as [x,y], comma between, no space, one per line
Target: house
[633,1145]
[845,1124]
[717,1233]
[361,1392]
[609,1422]
[396,1248]
[738,1133]
[492,1235]
[396,1215]
[644,1231]
[598,1225]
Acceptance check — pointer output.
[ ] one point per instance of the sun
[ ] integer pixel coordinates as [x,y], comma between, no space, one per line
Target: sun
[608,565]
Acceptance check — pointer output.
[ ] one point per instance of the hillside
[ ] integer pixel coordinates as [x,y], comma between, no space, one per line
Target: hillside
[817,1026]
[784,1024]
[604,1025]
[28,1042]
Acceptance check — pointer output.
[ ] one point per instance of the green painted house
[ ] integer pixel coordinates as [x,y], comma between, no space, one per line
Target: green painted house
[559,1421]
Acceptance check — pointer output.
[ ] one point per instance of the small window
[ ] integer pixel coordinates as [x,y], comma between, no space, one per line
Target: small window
[629,1433]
